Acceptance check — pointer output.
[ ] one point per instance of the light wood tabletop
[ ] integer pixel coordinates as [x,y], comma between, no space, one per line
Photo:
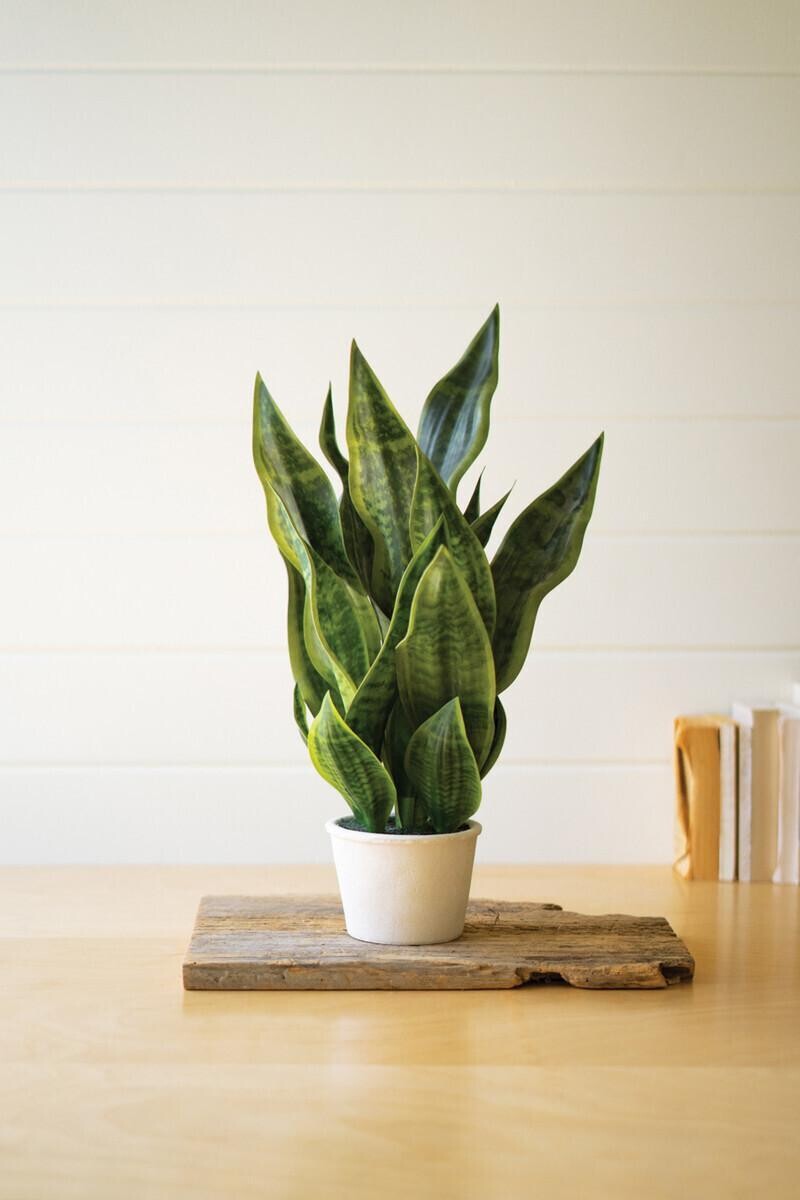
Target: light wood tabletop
[114,1082]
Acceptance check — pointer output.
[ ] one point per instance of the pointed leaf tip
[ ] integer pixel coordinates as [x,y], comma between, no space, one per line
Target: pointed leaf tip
[432,499]
[285,466]
[447,653]
[540,549]
[372,704]
[483,525]
[442,767]
[344,761]
[455,418]
[383,468]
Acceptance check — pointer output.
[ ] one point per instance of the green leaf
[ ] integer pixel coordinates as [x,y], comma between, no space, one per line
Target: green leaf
[383,469]
[284,464]
[357,540]
[540,550]
[447,653]
[455,419]
[442,767]
[340,629]
[377,692]
[473,509]
[346,622]
[345,762]
[433,500]
[299,706]
[297,556]
[410,811]
[483,525]
[327,439]
[308,681]
[500,726]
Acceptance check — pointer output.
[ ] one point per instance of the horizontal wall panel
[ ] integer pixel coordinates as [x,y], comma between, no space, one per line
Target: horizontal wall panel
[163,365]
[615,815]
[230,593]
[539,131]
[235,709]
[416,248]
[685,34]
[658,476]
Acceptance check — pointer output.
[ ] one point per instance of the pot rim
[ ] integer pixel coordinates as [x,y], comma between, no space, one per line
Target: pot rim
[362,835]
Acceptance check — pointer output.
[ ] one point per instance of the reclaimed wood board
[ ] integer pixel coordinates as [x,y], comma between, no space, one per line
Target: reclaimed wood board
[299,943]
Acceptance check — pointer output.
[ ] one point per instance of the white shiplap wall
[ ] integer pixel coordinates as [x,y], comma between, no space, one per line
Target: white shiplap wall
[191,191]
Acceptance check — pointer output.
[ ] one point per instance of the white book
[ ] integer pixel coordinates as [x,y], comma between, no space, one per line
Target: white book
[787,869]
[727,801]
[758,791]
[745,813]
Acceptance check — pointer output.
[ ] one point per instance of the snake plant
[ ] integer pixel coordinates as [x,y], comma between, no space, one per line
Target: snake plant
[402,631]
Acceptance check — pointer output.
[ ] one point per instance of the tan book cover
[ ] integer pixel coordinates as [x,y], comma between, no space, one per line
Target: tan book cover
[705,789]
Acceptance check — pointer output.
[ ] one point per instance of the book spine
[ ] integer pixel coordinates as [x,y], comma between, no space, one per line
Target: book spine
[787,869]
[764,796]
[728,803]
[745,800]
[683,855]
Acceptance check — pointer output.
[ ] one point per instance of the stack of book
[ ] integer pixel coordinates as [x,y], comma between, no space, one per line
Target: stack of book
[737,781]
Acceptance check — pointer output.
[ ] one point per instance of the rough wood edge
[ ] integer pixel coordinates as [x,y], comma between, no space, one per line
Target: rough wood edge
[661,972]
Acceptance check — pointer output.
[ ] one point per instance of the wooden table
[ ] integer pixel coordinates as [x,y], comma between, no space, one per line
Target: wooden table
[115,1083]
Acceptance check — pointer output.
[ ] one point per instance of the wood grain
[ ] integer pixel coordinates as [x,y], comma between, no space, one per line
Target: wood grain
[290,943]
[114,1082]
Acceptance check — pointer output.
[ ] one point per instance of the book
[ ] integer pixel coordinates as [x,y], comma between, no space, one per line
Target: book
[758,791]
[706,806]
[787,868]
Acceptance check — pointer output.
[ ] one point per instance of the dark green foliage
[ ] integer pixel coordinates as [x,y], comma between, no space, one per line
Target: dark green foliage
[455,420]
[401,632]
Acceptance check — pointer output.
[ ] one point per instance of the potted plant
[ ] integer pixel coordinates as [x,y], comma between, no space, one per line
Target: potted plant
[403,633]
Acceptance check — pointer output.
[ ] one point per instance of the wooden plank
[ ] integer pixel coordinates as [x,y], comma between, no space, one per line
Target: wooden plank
[291,943]
[91,973]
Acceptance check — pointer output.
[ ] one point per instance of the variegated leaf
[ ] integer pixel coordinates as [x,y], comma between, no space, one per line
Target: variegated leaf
[357,540]
[340,630]
[442,768]
[410,811]
[540,549]
[284,464]
[500,726]
[431,501]
[473,509]
[382,472]
[483,525]
[309,682]
[300,719]
[455,419]
[349,765]
[377,692]
[447,653]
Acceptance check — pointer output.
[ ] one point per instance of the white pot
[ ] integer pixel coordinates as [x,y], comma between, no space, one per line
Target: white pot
[404,889]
